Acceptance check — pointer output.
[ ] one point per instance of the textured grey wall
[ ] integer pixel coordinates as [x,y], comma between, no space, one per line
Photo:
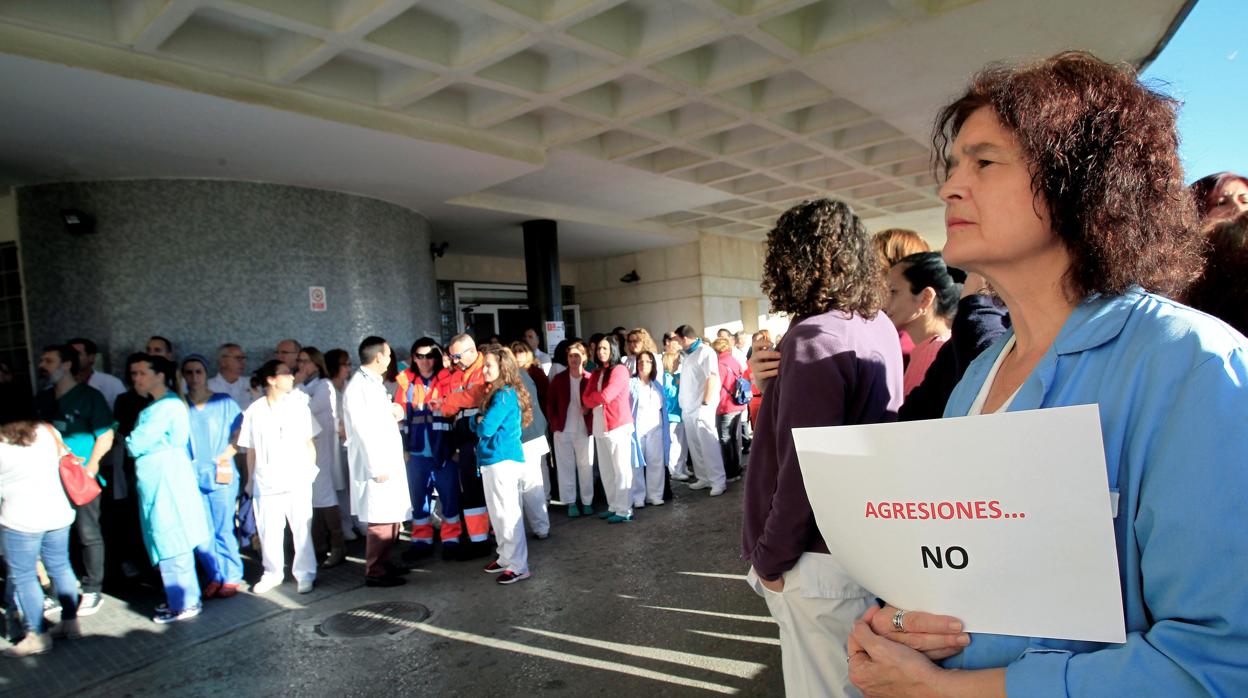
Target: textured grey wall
[204,262]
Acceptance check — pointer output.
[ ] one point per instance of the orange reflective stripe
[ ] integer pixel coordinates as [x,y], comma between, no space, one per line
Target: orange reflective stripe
[422,532]
[478,523]
[451,530]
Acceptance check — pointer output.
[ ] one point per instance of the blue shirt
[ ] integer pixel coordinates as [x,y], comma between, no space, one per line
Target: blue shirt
[1172,387]
[499,430]
[211,427]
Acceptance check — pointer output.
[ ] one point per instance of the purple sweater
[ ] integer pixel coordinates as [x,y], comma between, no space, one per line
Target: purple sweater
[834,370]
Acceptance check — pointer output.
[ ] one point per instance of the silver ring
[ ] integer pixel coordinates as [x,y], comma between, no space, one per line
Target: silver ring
[897,621]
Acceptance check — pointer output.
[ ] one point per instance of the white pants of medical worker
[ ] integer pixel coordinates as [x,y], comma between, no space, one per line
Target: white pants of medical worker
[575,461]
[501,482]
[648,479]
[273,513]
[532,485]
[615,465]
[815,612]
[679,450]
[702,435]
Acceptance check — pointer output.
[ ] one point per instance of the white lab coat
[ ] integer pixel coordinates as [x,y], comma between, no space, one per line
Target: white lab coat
[374,448]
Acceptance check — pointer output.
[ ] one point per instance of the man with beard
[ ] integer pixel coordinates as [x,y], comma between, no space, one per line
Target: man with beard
[81,414]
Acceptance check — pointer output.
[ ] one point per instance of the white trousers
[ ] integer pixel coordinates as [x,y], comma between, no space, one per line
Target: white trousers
[532,485]
[574,460]
[501,482]
[649,478]
[615,464]
[679,450]
[273,513]
[814,630]
[702,436]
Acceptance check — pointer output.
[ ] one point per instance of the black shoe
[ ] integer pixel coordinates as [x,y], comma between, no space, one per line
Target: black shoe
[450,552]
[385,581]
[473,551]
[393,570]
[415,553]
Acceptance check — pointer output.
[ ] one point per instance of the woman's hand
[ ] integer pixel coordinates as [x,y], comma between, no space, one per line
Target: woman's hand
[882,668]
[764,363]
[936,636]
[776,586]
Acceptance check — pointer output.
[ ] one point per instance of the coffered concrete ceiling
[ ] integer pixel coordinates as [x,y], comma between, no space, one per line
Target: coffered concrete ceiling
[635,123]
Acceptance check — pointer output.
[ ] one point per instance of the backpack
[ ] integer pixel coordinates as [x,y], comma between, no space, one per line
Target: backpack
[742,391]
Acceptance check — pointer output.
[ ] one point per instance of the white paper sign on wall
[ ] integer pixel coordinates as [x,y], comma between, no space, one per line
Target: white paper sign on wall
[554,334]
[316,298]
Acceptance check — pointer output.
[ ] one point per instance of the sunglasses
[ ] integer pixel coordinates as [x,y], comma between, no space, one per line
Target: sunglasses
[429,356]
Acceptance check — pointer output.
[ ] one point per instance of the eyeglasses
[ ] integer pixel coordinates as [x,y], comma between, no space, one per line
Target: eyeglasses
[429,356]
[242,357]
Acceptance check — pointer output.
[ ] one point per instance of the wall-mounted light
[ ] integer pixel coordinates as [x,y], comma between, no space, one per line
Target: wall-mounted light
[437,249]
[76,222]
[630,278]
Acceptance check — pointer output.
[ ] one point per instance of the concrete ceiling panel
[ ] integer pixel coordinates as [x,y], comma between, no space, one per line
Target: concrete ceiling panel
[654,118]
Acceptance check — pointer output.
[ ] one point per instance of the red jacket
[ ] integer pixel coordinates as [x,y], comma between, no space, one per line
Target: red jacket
[613,396]
[729,372]
[461,390]
[557,398]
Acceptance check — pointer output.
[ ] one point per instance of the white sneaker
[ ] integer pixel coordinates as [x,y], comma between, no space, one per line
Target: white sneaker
[305,586]
[716,491]
[655,502]
[265,585]
[699,485]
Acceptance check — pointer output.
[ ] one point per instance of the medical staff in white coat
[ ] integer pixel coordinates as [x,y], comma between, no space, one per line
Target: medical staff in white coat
[699,395]
[379,495]
[277,432]
[312,375]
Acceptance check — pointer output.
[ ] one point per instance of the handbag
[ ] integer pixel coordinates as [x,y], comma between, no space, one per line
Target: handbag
[80,487]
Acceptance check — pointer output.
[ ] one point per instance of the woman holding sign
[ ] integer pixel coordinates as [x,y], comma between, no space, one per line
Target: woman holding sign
[1064,190]
[840,364]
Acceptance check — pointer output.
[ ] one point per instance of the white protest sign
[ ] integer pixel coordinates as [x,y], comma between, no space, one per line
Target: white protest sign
[1003,521]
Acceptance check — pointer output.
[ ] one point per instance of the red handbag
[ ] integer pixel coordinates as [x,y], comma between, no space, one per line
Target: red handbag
[80,487]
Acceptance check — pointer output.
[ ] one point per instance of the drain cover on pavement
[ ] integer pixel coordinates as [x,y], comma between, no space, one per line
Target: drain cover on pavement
[385,618]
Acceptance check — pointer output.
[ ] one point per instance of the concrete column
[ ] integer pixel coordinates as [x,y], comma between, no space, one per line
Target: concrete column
[541,270]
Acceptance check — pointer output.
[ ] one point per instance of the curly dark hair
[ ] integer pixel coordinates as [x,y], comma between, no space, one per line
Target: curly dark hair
[1103,150]
[820,258]
[1221,290]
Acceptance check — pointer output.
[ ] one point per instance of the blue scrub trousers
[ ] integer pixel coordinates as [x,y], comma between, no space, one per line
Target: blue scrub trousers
[219,554]
[21,552]
[181,585]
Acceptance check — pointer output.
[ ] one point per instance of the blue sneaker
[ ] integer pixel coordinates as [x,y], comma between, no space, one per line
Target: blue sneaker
[616,518]
[605,514]
[573,511]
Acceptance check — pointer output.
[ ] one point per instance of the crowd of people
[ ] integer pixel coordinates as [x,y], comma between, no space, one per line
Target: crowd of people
[1078,270]
[458,444]
[1073,250]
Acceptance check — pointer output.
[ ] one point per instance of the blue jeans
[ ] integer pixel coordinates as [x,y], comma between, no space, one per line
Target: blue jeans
[219,554]
[21,552]
[181,584]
